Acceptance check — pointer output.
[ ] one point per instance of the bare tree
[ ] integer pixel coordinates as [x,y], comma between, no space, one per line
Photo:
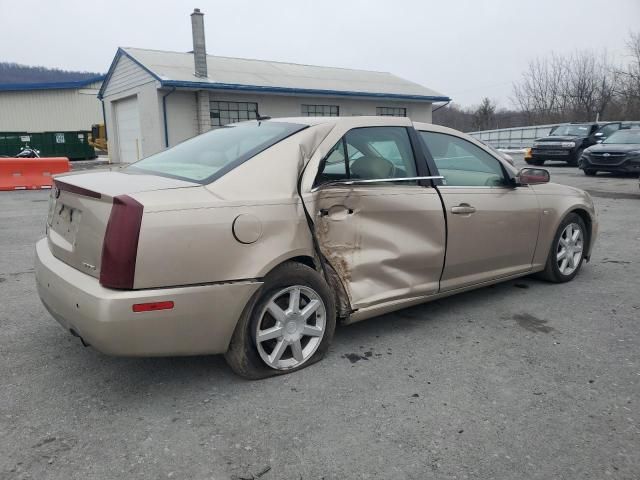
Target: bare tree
[628,87]
[539,94]
[559,88]
[589,85]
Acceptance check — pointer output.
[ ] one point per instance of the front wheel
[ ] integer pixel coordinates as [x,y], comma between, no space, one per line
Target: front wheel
[567,250]
[537,161]
[590,172]
[574,161]
[288,326]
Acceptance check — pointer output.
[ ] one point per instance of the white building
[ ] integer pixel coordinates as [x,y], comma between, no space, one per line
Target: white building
[54,106]
[155,99]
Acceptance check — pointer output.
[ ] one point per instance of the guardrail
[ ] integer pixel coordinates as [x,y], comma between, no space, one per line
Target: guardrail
[516,137]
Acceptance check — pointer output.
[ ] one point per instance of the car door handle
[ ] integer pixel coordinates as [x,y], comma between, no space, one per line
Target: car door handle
[463,208]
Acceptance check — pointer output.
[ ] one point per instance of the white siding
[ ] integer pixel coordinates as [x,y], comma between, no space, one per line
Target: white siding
[129,79]
[50,110]
[181,116]
[290,106]
[126,75]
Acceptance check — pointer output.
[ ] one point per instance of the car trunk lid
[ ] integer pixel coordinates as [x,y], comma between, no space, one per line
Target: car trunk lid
[79,210]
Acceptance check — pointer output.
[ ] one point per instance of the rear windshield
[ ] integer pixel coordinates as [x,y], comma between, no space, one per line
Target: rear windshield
[207,157]
[625,137]
[571,131]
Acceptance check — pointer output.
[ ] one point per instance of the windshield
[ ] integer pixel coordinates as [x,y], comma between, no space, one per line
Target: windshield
[206,157]
[571,131]
[625,137]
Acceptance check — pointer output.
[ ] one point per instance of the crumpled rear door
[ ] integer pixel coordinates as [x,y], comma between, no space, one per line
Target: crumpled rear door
[386,242]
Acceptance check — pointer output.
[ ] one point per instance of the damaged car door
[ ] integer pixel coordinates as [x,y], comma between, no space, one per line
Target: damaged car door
[381,230]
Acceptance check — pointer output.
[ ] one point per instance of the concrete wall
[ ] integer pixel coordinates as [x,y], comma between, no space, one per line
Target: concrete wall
[50,110]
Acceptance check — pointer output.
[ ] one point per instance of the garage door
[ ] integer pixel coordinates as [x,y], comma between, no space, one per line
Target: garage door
[128,128]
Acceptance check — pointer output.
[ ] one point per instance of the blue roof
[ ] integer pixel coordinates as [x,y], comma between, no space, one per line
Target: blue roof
[16,87]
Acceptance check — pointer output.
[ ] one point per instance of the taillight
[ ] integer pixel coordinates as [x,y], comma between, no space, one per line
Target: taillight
[120,247]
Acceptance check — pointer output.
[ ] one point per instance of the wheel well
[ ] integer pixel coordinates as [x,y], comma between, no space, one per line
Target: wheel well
[305,260]
[586,218]
[343,305]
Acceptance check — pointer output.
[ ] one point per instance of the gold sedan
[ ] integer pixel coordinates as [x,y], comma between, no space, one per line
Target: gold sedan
[254,239]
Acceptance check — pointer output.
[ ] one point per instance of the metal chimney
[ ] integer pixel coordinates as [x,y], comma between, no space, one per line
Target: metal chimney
[199,45]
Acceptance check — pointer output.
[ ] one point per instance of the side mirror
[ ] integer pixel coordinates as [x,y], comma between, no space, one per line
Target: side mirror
[533,176]
[598,134]
[599,141]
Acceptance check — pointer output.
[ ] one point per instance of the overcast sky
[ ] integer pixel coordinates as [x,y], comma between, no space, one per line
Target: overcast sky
[465,49]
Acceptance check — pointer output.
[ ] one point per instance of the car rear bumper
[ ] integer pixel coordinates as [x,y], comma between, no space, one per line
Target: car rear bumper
[202,320]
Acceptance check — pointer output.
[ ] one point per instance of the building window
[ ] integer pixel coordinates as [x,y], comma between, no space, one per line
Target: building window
[223,113]
[391,112]
[320,110]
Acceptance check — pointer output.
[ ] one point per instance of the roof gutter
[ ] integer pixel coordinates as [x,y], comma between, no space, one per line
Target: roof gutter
[164,116]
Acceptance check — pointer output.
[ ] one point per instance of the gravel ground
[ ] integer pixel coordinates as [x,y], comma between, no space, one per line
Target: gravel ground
[521,380]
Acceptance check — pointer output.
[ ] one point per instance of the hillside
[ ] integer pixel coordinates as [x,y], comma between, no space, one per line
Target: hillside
[16,73]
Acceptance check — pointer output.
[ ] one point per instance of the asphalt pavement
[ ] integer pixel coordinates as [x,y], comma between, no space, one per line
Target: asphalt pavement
[522,380]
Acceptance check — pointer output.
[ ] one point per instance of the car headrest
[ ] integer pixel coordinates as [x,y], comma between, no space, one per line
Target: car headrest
[369,167]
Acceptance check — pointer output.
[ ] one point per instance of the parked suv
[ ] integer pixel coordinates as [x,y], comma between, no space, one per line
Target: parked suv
[619,153]
[567,142]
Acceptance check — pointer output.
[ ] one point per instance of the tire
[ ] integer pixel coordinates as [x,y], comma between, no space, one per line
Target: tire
[573,162]
[553,271]
[536,161]
[249,357]
[590,172]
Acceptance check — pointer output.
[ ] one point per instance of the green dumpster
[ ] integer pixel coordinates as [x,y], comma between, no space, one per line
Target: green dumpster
[73,145]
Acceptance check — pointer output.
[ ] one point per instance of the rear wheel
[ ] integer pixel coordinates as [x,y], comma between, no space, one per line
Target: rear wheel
[288,326]
[590,172]
[567,251]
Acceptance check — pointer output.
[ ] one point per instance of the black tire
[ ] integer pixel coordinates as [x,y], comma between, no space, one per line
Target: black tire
[537,162]
[573,162]
[552,272]
[243,356]
[589,172]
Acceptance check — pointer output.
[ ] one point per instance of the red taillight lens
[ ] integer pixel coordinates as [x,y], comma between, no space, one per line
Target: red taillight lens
[120,247]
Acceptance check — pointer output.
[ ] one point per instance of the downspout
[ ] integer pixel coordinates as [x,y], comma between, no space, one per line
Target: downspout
[164,116]
[441,106]
[104,122]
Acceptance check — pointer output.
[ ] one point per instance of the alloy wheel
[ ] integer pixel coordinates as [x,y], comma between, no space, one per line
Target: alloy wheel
[569,249]
[290,327]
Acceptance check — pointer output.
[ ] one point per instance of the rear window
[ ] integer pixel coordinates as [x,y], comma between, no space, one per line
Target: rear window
[571,131]
[205,158]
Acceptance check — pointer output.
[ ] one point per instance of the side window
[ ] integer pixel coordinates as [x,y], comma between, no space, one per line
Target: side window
[462,163]
[371,153]
[608,129]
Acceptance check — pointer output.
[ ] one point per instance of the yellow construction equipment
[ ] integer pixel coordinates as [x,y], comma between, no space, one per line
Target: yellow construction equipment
[98,137]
